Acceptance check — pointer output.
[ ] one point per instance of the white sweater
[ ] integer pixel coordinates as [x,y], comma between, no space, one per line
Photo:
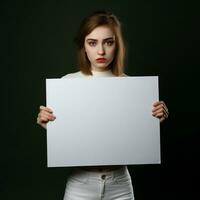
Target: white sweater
[79,74]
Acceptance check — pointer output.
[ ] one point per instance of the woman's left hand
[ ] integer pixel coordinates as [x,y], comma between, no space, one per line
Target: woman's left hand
[160,110]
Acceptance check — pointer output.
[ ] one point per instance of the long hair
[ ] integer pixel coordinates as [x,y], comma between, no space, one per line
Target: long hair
[100,18]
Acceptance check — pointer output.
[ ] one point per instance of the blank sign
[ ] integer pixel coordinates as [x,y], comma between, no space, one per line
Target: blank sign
[103,121]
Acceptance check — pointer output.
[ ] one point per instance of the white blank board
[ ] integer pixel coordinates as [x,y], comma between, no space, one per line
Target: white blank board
[103,121]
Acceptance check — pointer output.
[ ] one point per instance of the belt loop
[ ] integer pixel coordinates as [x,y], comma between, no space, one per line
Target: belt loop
[115,172]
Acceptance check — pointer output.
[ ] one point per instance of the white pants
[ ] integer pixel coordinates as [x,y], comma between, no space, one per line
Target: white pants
[92,185]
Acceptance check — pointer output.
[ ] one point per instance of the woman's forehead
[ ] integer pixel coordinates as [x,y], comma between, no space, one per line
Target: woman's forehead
[101,33]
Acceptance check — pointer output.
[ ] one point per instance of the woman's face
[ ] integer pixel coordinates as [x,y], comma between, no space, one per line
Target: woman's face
[100,48]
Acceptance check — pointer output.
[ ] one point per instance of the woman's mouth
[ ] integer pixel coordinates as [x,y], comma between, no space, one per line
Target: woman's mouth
[101,60]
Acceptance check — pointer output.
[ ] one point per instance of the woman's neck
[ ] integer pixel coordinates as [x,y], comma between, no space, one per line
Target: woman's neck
[99,69]
[107,72]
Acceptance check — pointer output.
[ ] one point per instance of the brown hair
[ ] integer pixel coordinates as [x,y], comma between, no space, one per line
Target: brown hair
[100,18]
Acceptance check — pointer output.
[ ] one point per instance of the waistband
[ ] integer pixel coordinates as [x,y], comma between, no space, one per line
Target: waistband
[99,174]
[102,168]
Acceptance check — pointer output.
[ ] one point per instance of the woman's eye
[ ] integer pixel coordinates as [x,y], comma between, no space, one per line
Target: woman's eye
[109,43]
[92,43]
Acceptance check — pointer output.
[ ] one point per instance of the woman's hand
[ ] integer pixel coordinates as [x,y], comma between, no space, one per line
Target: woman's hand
[160,110]
[45,115]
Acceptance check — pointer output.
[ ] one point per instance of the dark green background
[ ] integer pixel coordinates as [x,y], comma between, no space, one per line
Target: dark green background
[162,39]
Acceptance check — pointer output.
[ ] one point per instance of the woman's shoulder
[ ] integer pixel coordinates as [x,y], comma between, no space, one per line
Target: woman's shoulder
[74,75]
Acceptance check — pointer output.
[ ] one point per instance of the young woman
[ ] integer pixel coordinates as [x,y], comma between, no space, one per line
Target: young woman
[101,53]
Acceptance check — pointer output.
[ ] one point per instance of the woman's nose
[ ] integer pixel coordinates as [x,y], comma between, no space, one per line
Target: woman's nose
[101,50]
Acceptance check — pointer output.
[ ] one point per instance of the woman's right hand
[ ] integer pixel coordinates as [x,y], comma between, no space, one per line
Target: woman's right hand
[44,116]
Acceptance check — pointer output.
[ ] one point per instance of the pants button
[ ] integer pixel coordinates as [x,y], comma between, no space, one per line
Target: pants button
[103,177]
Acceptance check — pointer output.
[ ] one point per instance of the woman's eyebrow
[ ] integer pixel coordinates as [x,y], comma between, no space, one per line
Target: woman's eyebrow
[92,39]
[109,38]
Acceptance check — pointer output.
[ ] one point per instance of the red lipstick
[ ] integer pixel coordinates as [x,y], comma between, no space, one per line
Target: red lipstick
[101,60]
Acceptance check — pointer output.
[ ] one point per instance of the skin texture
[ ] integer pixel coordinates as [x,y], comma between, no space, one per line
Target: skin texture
[100,43]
